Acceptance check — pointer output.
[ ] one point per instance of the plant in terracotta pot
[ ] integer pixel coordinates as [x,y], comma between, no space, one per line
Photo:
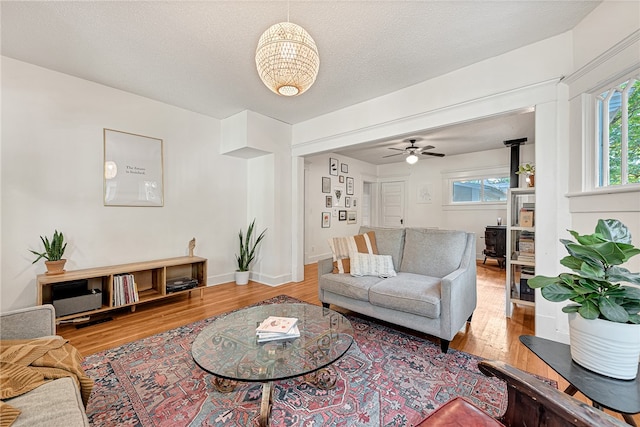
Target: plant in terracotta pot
[602,304]
[53,251]
[529,170]
[248,246]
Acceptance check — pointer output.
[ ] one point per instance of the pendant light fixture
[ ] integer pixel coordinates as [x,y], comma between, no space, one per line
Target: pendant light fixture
[287,58]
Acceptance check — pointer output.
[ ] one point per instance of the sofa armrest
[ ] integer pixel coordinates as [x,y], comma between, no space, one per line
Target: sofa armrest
[25,323]
[458,292]
[325,266]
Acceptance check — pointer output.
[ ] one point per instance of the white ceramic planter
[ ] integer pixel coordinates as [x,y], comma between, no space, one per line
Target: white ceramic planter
[608,348]
[242,277]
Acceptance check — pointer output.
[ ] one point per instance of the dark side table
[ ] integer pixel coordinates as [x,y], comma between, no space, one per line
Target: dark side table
[621,396]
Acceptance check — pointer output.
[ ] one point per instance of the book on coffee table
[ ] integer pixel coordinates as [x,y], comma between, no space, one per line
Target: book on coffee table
[277,324]
[276,336]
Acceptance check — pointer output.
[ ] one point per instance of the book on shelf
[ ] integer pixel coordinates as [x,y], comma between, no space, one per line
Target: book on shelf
[125,290]
[294,332]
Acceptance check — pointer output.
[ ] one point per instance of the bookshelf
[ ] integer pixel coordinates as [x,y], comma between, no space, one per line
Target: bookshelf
[100,285]
[520,247]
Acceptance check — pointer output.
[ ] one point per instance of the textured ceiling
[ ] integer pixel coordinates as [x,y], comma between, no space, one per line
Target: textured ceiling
[200,55]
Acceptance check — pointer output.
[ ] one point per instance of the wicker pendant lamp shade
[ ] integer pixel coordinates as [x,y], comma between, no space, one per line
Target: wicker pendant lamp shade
[287,59]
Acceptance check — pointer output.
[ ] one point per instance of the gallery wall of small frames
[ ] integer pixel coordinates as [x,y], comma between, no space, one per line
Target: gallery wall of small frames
[339,192]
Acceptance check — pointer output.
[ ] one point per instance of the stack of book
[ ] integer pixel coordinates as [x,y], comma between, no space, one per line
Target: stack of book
[275,328]
[125,290]
[526,247]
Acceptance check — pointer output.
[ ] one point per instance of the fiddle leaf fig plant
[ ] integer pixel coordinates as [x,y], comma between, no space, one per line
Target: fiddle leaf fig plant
[594,286]
[248,247]
[53,250]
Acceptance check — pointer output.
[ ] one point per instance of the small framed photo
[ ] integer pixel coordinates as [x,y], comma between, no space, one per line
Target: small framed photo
[342,215]
[341,179]
[344,168]
[326,219]
[328,202]
[326,184]
[351,217]
[354,202]
[350,186]
[333,166]
[347,202]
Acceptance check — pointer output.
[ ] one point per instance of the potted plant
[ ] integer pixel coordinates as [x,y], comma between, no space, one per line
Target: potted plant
[53,251]
[529,170]
[604,321]
[248,246]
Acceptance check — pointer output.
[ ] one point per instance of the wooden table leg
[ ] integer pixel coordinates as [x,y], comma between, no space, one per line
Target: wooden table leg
[265,405]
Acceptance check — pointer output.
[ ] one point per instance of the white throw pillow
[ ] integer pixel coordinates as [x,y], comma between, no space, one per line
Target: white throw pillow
[371,265]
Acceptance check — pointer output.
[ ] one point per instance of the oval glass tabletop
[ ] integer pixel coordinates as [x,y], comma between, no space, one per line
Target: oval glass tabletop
[228,347]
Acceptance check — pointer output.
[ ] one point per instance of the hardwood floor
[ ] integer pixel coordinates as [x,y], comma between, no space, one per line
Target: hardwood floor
[490,335]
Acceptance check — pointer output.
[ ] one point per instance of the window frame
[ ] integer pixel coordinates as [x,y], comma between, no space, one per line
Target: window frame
[597,173]
[448,179]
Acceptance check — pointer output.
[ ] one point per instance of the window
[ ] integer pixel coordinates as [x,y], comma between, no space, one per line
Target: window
[481,190]
[618,134]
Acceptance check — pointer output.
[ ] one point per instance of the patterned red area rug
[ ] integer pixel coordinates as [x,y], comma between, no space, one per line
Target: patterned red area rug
[387,378]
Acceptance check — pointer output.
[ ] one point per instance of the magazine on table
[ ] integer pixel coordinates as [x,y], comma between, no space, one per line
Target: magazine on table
[276,336]
[275,324]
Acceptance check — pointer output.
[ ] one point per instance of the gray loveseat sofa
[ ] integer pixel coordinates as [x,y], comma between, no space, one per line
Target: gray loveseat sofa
[435,288]
[57,403]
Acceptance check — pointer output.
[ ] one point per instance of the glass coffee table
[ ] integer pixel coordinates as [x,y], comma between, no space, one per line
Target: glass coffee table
[228,349]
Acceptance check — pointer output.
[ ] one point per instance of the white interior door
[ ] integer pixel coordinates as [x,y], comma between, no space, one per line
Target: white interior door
[392,204]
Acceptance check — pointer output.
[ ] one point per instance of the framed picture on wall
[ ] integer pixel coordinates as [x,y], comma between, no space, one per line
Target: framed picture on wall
[344,168]
[341,179]
[342,215]
[333,167]
[350,185]
[328,202]
[326,219]
[351,217]
[132,170]
[326,184]
[347,202]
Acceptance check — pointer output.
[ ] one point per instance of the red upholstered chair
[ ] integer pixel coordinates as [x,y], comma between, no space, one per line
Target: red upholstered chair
[530,402]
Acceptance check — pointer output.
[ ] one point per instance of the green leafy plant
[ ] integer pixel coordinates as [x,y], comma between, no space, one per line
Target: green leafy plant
[248,247]
[53,250]
[526,169]
[594,284]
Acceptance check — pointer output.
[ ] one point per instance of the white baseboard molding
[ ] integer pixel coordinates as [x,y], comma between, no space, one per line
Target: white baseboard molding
[256,277]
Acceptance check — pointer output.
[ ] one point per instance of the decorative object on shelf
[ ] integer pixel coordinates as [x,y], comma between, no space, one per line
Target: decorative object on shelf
[53,251]
[326,219]
[287,59]
[248,246]
[333,167]
[132,170]
[342,215]
[344,168]
[350,186]
[192,246]
[604,324]
[326,184]
[529,170]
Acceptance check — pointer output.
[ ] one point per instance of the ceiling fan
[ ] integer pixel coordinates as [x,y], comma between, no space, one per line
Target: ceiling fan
[412,150]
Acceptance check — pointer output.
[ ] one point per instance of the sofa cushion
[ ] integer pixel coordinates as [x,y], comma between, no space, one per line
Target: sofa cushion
[390,241]
[55,404]
[371,265]
[433,253]
[410,293]
[342,247]
[348,286]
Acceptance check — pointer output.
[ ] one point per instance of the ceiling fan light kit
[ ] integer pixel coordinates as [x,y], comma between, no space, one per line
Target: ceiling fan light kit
[412,158]
[287,59]
[411,151]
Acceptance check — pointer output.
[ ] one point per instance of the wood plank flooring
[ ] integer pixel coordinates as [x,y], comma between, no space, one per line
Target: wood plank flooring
[490,335]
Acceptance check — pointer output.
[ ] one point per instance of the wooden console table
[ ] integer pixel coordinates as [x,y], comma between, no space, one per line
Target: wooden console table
[622,396]
[150,277]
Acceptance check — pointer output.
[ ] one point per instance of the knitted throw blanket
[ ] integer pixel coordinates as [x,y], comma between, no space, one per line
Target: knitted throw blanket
[27,364]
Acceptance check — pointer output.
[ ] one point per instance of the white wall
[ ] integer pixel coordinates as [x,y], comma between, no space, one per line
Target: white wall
[316,246]
[52,154]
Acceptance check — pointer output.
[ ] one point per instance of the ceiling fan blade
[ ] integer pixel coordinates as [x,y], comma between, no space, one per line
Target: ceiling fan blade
[428,147]
[398,149]
[391,155]
[433,154]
